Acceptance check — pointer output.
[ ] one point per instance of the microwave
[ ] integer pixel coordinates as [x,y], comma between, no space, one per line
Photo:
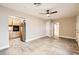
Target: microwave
[15,28]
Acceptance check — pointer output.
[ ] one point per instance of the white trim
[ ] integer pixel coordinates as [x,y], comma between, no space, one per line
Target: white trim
[4,47]
[68,37]
[27,40]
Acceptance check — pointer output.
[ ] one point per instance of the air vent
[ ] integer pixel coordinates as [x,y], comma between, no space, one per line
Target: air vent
[37,4]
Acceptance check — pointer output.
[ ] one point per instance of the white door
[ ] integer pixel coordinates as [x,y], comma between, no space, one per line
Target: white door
[56,30]
[77,29]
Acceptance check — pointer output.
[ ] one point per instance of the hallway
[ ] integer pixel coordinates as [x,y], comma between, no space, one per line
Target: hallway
[42,46]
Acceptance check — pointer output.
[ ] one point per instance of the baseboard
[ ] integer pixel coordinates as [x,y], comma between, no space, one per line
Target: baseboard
[68,37]
[27,40]
[4,47]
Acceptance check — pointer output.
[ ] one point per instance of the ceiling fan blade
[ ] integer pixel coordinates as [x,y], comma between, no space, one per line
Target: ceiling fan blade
[53,12]
[43,13]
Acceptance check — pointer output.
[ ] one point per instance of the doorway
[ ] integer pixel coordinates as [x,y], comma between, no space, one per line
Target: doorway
[56,30]
[17,29]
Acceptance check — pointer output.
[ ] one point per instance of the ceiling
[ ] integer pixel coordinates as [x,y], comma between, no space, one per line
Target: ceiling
[64,9]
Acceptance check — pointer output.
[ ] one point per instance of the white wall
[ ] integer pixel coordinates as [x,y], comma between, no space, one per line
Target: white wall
[4,41]
[35,27]
[49,28]
[52,29]
[67,27]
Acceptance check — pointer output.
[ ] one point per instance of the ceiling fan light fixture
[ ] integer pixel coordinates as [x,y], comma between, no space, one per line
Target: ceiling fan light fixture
[47,15]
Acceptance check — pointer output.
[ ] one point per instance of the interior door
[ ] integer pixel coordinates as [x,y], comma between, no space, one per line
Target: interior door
[56,30]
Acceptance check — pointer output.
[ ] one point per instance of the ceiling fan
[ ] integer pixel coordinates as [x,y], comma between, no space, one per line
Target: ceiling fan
[48,12]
